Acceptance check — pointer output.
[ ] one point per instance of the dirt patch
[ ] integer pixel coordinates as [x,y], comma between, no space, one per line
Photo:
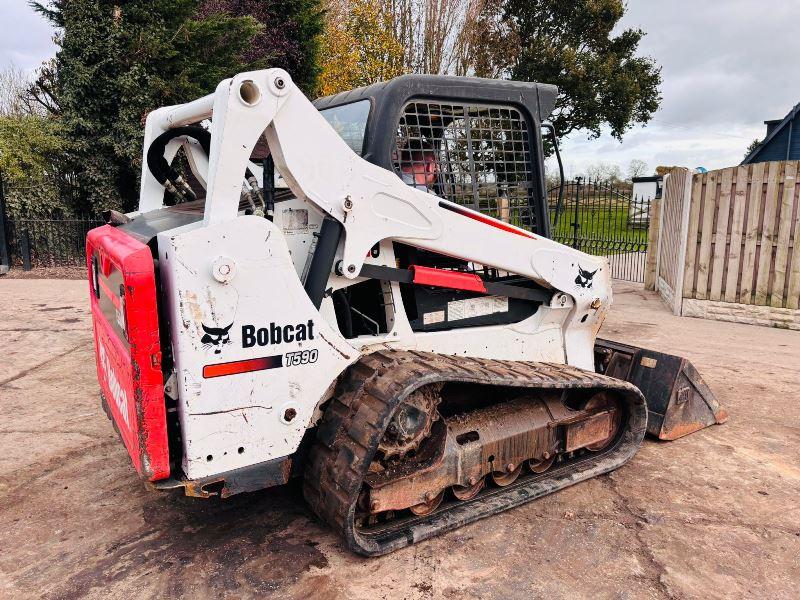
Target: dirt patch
[46,273]
[712,515]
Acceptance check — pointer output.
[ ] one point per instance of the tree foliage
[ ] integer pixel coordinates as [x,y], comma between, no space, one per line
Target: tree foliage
[753,145]
[359,47]
[290,37]
[26,144]
[30,150]
[119,60]
[601,80]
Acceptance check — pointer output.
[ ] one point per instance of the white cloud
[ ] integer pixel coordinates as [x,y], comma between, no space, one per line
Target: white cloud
[727,65]
[25,36]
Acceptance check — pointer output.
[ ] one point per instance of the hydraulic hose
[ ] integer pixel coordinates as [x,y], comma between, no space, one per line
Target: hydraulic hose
[167,176]
[156,162]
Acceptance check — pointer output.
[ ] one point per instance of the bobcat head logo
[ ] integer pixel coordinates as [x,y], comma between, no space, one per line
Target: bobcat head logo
[584,278]
[216,337]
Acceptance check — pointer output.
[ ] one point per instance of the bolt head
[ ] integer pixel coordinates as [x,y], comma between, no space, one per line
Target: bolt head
[351,268]
[223,269]
[429,496]
[472,481]
[510,467]
[280,83]
[374,505]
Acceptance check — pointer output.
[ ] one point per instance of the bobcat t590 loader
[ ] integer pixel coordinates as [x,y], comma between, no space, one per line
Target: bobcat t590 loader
[363,292]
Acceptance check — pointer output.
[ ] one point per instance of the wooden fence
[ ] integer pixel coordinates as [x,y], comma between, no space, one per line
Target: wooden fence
[731,236]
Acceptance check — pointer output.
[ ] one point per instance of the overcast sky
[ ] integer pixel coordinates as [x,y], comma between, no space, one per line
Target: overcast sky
[728,65]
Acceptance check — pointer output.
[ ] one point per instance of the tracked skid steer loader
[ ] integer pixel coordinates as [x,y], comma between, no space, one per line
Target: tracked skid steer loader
[363,292]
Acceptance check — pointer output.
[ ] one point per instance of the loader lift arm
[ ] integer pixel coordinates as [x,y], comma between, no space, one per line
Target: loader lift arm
[370,203]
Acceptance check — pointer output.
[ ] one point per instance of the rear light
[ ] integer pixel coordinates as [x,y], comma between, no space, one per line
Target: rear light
[122,320]
[94,279]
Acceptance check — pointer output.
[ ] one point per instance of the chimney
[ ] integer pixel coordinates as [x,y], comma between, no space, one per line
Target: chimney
[771,125]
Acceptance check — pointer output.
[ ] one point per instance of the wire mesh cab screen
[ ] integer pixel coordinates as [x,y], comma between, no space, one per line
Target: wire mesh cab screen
[475,155]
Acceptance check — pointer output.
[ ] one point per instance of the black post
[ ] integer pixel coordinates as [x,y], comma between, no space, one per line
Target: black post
[575,224]
[5,258]
[25,246]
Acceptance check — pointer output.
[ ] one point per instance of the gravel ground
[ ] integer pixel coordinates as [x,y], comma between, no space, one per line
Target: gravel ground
[46,273]
[714,515]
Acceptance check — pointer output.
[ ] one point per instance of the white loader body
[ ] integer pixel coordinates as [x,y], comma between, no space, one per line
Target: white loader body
[243,274]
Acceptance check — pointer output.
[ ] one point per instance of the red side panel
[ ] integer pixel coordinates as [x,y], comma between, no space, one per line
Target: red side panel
[123,298]
[447,279]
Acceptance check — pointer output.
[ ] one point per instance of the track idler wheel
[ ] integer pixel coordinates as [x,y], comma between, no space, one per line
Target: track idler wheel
[599,402]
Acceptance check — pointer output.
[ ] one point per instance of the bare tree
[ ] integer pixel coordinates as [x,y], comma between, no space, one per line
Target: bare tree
[637,168]
[429,31]
[13,85]
[603,171]
[487,45]
[22,94]
[40,95]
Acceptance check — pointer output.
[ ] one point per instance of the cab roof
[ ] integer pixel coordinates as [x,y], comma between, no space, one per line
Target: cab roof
[538,98]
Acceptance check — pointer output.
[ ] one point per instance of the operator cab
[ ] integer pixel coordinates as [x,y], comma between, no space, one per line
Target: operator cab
[474,142]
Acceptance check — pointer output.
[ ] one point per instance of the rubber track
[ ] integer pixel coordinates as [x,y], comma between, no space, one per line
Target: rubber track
[355,420]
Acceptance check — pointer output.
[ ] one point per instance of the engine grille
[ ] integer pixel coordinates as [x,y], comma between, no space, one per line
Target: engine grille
[473,155]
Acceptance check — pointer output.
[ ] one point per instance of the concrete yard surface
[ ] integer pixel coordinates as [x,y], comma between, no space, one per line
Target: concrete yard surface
[713,515]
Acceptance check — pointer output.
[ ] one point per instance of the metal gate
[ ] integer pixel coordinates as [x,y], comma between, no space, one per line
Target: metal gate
[603,219]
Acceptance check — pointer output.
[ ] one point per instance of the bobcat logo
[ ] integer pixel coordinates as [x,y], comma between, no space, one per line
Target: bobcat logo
[584,278]
[216,336]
